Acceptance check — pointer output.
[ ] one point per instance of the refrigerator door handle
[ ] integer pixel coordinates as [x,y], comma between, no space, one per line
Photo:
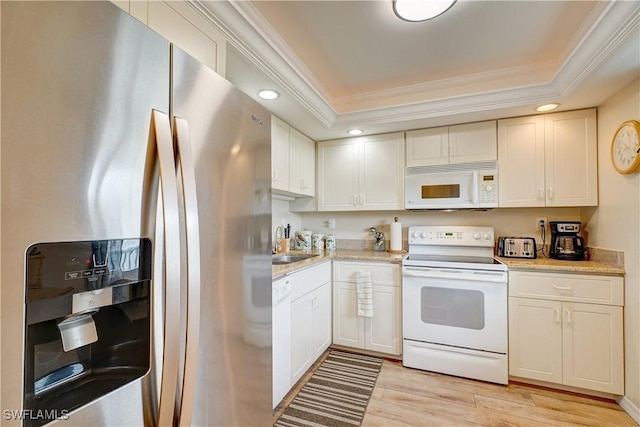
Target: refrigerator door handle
[171,273]
[188,181]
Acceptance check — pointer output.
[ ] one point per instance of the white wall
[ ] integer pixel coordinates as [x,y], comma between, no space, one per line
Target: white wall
[616,224]
[506,221]
[280,215]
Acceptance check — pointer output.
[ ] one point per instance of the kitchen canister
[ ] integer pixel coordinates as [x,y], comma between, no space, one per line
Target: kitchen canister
[330,242]
[317,241]
[304,240]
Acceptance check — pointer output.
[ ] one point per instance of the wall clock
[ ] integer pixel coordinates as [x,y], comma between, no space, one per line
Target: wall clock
[625,146]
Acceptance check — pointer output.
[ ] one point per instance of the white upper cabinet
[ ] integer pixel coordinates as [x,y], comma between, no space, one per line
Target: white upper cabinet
[293,160]
[182,25]
[472,142]
[279,154]
[548,160]
[364,173]
[302,163]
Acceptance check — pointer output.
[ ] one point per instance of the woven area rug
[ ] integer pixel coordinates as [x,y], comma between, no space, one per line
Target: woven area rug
[337,393]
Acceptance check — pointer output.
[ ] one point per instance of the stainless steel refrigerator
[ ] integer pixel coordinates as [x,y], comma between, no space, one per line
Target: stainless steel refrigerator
[110,135]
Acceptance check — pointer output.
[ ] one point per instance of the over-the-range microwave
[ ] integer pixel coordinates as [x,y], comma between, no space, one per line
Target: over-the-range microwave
[451,186]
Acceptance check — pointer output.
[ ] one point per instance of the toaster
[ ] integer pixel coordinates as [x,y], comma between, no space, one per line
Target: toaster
[517,247]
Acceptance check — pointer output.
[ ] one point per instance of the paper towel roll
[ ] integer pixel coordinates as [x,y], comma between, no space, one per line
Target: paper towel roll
[395,238]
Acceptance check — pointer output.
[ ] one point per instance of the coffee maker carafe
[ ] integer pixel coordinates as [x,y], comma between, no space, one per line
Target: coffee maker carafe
[565,242]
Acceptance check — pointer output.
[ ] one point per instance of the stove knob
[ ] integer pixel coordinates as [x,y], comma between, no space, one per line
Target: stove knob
[423,235]
[414,234]
[476,236]
[486,236]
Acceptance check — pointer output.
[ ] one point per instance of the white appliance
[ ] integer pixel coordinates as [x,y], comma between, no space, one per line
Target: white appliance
[451,186]
[454,303]
[109,132]
[281,354]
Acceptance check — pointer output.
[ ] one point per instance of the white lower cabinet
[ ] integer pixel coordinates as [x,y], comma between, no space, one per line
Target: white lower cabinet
[382,331]
[570,332]
[310,317]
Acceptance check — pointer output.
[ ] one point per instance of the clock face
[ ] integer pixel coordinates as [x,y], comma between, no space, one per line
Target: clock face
[624,147]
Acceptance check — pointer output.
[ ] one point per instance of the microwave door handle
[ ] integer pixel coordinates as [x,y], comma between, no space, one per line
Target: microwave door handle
[476,190]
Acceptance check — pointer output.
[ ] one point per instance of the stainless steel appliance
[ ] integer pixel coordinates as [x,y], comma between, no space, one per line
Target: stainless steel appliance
[565,242]
[452,186]
[517,247]
[110,133]
[454,303]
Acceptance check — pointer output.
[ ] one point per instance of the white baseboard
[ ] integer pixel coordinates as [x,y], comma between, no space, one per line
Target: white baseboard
[630,408]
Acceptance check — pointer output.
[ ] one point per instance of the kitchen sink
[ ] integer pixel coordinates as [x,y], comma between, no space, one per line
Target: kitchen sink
[288,259]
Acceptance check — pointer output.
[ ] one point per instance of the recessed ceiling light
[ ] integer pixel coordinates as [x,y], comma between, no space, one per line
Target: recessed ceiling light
[547,107]
[355,132]
[420,10]
[268,94]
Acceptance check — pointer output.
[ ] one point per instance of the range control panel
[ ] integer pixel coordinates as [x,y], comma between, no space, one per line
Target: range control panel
[451,236]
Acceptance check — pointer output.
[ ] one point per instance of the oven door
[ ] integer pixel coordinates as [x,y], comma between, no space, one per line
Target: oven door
[462,308]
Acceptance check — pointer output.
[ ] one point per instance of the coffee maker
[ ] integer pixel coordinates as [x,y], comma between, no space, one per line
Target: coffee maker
[565,242]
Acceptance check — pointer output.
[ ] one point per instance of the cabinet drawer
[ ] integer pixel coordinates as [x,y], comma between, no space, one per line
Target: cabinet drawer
[567,287]
[381,273]
[305,281]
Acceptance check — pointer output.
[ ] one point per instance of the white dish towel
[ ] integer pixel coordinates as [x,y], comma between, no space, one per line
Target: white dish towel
[364,294]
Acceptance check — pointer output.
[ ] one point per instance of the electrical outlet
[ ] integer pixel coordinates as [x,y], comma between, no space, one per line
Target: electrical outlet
[541,223]
[331,223]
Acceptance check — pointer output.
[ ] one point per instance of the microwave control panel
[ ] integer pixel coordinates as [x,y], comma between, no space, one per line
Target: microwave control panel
[488,189]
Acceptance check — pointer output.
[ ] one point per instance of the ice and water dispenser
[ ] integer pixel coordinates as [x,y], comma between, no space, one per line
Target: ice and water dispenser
[87,322]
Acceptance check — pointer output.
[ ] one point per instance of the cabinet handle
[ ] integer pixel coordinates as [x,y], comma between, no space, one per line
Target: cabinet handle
[274,174]
[562,288]
[362,199]
[355,200]
[568,316]
[540,194]
[557,315]
[550,193]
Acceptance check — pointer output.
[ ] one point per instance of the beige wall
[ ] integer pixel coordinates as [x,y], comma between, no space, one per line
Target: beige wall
[616,224]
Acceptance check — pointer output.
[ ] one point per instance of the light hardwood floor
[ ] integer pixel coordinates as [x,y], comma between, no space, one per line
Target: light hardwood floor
[410,397]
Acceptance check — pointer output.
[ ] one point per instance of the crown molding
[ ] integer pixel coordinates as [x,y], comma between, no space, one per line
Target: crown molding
[609,26]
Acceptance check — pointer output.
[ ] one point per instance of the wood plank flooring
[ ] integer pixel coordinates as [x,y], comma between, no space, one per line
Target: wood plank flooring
[410,397]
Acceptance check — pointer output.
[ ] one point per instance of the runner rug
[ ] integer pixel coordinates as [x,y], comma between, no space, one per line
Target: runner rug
[337,393]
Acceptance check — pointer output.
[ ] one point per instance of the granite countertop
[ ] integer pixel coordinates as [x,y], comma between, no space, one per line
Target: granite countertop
[558,266]
[540,263]
[322,256]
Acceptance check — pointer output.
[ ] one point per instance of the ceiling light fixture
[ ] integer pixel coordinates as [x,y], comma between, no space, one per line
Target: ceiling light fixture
[355,132]
[420,10]
[268,94]
[547,107]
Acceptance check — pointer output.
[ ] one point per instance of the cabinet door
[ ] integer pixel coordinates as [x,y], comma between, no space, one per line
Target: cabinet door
[182,25]
[279,154]
[427,147]
[301,320]
[535,339]
[348,327]
[381,178]
[593,347]
[337,175]
[302,166]
[473,142]
[383,330]
[521,158]
[321,320]
[571,158]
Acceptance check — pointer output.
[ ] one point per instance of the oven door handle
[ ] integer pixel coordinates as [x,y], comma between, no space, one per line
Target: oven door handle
[493,277]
